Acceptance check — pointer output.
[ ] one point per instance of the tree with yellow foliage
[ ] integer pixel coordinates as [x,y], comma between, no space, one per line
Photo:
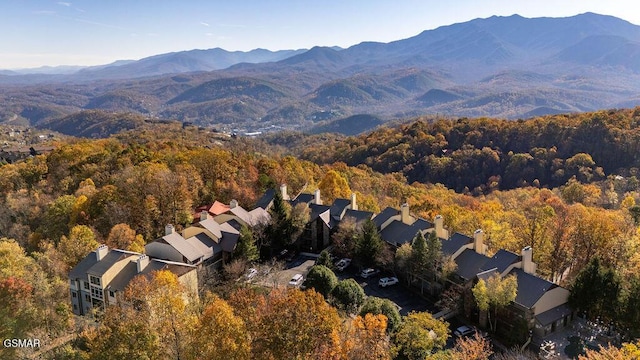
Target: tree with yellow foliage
[628,351]
[333,186]
[219,334]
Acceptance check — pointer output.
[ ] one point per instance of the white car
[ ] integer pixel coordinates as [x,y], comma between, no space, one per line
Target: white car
[343,264]
[296,280]
[388,281]
[366,273]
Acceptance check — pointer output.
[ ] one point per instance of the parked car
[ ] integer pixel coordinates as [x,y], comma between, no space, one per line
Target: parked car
[366,273]
[465,331]
[343,264]
[283,254]
[251,273]
[388,281]
[296,280]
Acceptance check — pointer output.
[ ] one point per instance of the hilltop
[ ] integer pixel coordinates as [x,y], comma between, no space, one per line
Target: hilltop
[511,67]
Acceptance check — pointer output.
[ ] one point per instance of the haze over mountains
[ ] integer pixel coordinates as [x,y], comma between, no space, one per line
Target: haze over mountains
[510,67]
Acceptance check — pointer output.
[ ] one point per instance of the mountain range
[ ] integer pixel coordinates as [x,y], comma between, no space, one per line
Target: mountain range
[510,67]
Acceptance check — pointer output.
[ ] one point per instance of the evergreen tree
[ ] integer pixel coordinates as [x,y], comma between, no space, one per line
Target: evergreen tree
[279,228]
[322,279]
[246,247]
[434,253]
[325,259]
[596,291]
[369,245]
[419,259]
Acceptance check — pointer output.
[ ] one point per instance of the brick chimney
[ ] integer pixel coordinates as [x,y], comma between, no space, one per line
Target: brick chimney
[101,252]
[478,244]
[169,229]
[316,197]
[283,192]
[528,265]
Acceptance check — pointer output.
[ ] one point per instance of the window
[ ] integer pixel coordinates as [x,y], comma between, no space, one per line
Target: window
[86,285]
[74,295]
[75,307]
[112,294]
[87,297]
[96,292]
[94,280]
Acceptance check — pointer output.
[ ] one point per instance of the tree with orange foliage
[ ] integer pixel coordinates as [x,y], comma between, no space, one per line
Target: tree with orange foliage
[286,324]
[219,334]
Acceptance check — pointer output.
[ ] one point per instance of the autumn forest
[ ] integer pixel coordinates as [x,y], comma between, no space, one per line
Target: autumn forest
[566,185]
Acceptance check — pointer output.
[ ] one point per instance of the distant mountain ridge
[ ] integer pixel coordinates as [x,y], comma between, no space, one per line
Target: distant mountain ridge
[510,67]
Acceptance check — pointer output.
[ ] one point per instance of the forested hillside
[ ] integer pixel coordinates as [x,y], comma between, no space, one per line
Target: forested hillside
[55,208]
[481,155]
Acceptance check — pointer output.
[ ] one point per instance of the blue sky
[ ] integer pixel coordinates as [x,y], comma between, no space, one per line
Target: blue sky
[93,32]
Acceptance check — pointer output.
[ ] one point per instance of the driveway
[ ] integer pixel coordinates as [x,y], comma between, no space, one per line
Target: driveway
[406,300]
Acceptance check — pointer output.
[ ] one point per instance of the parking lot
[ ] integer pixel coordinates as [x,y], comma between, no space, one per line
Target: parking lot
[406,300]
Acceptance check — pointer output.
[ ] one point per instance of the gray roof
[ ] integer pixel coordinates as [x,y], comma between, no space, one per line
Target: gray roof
[454,243]
[232,224]
[229,241]
[469,263]
[303,198]
[80,270]
[123,278]
[338,207]
[266,199]
[530,288]
[182,246]
[358,215]
[398,233]
[242,214]
[204,244]
[112,257]
[317,211]
[551,315]
[501,261]
[259,216]
[212,226]
[385,215]
[177,268]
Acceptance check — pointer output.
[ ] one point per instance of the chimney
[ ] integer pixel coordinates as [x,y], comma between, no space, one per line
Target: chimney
[354,204]
[441,232]
[527,261]
[405,217]
[142,262]
[102,251]
[316,197]
[233,204]
[203,215]
[169,229]
[478,244]
[283,192]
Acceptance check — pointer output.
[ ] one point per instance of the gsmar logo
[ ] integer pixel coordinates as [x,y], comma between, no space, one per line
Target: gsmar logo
[21,343]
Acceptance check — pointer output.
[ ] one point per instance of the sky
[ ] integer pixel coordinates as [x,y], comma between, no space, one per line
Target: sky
[95,32]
